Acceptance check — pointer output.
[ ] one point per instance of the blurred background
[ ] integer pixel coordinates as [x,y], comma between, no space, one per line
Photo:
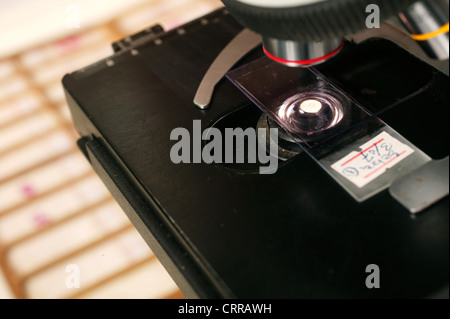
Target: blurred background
[62,235]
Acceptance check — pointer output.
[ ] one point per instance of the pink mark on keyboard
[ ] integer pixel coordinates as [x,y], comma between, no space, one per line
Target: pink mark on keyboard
[29,191]
[41,220]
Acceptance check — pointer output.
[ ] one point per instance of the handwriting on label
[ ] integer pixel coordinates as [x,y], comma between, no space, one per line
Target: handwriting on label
[375,157]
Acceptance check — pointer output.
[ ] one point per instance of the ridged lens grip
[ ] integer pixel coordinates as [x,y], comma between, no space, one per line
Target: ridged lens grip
[314,22]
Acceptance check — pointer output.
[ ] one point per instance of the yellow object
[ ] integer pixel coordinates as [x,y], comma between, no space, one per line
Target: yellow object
[430,35]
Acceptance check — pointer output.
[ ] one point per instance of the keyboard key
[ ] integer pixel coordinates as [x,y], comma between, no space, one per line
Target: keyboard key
[149,281]
[18,107]
[35,154]
[95,265]
[6,69]
[12,86]
[26,129]
[64,111]
[55,92]
[38,182]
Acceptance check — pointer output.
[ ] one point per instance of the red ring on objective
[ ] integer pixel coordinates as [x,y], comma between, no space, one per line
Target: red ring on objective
[305,62]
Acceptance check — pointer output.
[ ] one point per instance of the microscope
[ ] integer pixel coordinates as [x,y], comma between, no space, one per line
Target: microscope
[337,113]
